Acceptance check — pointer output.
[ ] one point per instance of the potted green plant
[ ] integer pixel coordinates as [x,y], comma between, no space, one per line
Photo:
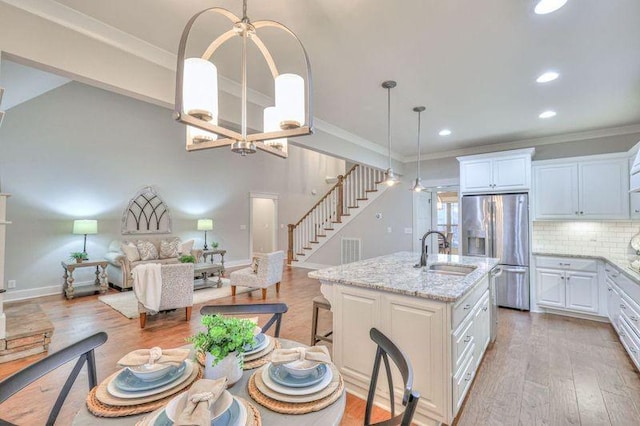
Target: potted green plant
[215,244]
[223,343]
[78,256]
[187,258]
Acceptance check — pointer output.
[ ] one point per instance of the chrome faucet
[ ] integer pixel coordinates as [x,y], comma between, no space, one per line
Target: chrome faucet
[425,247]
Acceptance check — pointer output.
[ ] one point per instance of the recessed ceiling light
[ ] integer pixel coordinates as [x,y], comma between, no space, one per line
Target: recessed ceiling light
[547,114]
[547,6]
[547,77]
[444,132]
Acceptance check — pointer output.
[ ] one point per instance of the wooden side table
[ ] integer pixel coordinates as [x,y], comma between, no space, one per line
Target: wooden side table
[212,253]
[101,283]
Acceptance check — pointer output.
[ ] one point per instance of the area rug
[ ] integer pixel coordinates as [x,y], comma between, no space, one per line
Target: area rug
[127,304]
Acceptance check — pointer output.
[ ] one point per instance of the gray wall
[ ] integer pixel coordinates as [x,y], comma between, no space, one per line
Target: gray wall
[396,206]
[81,152]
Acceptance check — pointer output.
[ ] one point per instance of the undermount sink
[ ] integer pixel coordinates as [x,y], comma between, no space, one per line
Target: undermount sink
[448,269]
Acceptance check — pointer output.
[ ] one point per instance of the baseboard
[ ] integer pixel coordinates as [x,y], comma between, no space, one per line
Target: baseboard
[31,293]
[309,265]
[573,314]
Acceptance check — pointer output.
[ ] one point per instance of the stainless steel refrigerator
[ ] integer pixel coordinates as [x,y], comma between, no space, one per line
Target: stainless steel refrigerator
[498,226]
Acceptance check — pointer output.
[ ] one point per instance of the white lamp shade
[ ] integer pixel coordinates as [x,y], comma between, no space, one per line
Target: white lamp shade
[290,100]
[85,227]
[200,89]
[205,224]
[271,123]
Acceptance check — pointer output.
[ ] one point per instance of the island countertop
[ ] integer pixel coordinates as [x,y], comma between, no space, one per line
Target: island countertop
[395,273]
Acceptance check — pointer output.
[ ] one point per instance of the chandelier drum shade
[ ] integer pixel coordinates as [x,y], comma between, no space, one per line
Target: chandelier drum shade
[196,102]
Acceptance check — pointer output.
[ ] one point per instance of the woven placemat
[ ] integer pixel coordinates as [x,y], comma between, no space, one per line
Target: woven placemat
[253,415]
[261,358]
[290,407]
[100,409]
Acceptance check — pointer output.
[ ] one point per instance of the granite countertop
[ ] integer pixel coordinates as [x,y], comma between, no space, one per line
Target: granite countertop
[395,273]
[621,265]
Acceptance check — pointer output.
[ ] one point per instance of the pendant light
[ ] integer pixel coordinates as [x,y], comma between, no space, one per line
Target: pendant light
[390,177]
[417,186]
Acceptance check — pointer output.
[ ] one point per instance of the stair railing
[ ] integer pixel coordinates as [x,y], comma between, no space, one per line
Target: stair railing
[329,210]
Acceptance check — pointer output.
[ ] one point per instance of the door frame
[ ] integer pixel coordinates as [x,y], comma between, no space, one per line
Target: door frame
[270,196]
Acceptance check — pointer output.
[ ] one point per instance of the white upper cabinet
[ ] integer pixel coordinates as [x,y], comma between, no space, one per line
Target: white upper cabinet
[555,191]
[496,172]
[595,187]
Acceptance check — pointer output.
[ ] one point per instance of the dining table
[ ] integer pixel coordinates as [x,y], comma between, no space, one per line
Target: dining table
[331,415]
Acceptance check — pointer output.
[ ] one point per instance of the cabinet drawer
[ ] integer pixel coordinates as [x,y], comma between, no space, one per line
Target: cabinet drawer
[462,381]
[630,341]
[461,342]
[468,302]
[572,263]
[631,311]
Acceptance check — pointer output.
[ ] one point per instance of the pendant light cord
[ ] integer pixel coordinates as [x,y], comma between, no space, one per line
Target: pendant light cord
[244,11]
[389,123]
[418,171]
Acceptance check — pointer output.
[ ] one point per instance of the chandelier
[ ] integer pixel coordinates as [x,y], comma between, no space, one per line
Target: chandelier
[197,93]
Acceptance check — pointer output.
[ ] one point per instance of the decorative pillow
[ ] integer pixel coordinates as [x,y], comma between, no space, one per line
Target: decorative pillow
[169,248]
[255,262]
[147,250]
[186,247]
[130,251]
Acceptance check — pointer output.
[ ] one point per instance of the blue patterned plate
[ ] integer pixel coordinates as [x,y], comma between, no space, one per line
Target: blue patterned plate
[127,382]
[230,417]
[258,340]
[280,375]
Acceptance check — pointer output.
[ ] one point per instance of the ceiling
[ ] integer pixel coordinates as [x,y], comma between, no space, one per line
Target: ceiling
[473,64]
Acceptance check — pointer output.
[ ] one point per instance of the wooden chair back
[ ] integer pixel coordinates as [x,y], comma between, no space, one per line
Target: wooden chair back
[277,309]
[387,349]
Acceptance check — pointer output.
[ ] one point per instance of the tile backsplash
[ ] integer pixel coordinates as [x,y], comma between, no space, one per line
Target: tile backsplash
[599,238]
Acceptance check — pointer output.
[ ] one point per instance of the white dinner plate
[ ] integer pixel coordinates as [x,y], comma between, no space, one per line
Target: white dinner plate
[260,347]
[268,381]
[113,390]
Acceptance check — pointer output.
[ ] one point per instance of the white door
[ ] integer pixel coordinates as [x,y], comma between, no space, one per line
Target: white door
[476,175]
[582,291]
[510,173]
[264,226]
[550,287]
[422,210]
[604,189]
[555,191]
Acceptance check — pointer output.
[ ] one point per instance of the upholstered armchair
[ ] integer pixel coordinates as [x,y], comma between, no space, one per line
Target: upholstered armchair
[177,290]
[265,272]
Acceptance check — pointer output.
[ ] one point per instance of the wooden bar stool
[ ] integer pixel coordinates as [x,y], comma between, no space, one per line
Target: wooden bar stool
[319,302]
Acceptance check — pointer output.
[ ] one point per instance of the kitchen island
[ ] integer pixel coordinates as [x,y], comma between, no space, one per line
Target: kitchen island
[440,315]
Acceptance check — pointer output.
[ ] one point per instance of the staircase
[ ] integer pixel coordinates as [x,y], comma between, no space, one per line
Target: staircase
[350,195]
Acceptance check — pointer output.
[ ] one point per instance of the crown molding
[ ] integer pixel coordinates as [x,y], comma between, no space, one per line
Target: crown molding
[112,36]
[526,143]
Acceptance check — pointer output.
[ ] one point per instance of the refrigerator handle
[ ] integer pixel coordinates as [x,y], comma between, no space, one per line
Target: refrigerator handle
[516,270]
[492,229]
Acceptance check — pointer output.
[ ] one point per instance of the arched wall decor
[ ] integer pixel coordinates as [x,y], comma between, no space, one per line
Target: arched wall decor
[146,214]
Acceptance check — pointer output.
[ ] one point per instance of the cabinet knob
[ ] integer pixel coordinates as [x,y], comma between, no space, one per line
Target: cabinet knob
[581,212]
[623,307]
[633,350]
[610,289]
[467,339]
[568,278]
[485,309]
[637,210]
[576,212]
[562,277]
[466,307]
[634,318]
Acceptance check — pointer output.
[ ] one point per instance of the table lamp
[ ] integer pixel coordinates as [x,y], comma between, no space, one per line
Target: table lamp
[205,225]
[84,227]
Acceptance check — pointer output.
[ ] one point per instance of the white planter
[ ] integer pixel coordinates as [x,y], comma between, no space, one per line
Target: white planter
[228,367]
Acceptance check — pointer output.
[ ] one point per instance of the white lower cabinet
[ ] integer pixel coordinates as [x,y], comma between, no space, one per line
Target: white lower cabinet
[613,303]
[582,291]
[568,284]
[444,359]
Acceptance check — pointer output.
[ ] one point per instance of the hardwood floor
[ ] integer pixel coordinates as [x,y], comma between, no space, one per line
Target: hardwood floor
[544,369]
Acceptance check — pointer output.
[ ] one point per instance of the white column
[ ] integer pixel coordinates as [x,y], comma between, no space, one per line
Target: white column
[3,225]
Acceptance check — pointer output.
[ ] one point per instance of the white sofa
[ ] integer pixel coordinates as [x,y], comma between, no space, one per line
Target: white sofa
[120,267]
